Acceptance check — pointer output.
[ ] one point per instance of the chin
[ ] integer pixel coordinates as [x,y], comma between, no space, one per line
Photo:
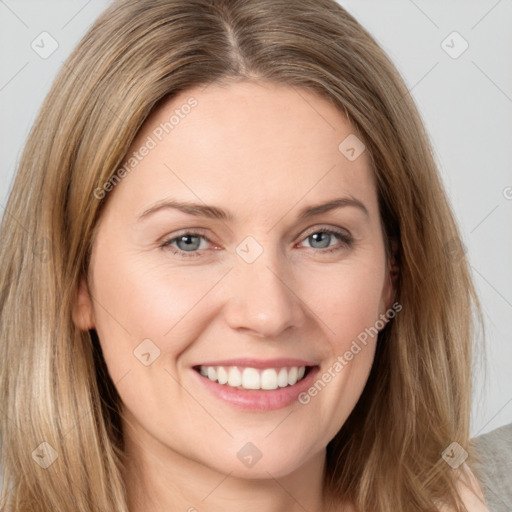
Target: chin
[253,464]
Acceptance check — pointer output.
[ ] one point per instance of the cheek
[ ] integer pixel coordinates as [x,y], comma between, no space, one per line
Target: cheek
[346,301]
[346,305]
[135,301]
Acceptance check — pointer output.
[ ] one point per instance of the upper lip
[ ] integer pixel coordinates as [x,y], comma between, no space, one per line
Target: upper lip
[260,363]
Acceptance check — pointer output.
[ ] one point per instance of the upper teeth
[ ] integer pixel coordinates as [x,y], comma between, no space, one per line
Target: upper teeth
[251,378]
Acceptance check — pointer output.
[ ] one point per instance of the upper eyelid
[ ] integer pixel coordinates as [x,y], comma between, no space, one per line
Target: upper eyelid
[315,229]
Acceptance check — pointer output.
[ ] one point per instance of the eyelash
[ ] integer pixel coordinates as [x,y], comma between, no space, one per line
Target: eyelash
[346,241]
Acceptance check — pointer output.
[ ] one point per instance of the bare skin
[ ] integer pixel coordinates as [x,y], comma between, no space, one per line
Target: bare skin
[263,153]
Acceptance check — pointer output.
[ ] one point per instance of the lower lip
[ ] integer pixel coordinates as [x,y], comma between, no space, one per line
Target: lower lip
[258,399]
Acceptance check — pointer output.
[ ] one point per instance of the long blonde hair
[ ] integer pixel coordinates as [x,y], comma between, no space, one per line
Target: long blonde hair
[54,385]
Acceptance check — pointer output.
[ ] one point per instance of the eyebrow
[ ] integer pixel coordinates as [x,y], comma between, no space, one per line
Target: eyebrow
[214,212]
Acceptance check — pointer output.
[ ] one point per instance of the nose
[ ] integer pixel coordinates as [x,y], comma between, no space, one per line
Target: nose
[263,301]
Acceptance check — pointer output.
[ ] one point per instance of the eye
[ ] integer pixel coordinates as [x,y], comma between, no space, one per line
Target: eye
[322,238]
[186,242]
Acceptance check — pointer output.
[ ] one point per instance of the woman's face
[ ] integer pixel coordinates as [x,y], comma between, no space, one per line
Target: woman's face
[252,280]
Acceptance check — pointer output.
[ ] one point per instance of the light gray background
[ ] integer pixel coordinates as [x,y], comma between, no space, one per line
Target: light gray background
[466,103]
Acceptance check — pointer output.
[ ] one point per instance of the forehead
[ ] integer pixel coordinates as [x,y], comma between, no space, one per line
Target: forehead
[245,143]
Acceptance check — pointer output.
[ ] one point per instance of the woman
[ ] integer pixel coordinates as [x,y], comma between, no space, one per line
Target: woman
[188,345]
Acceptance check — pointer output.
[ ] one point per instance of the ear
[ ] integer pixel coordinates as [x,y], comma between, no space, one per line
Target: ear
[392,275]
[82,313]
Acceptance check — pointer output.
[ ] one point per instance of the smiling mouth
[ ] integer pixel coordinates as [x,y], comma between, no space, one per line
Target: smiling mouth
[252,378]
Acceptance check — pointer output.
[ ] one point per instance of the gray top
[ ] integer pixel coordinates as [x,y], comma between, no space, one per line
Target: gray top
[495,469]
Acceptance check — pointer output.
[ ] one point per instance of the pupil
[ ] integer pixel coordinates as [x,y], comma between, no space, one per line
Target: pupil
[320,235]
[188,246]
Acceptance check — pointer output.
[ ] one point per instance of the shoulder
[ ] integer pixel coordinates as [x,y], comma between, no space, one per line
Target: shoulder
[493,465]
[495,445]
[469,490]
